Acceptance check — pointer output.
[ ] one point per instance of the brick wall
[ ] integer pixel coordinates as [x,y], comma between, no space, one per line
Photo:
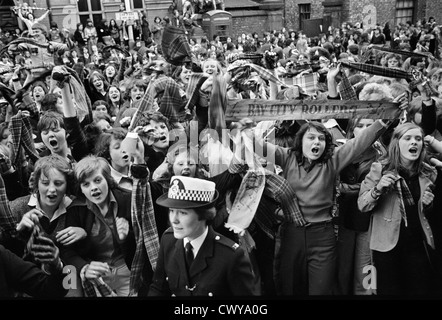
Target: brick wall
[249,22]
[385,11]
[292,11]
[433,9]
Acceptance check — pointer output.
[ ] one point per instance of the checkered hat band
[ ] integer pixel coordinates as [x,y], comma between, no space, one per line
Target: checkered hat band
[192,195]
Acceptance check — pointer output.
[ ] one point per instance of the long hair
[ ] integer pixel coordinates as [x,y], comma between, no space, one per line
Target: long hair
[102,77]
[392,160]
[329,145]
[109,101]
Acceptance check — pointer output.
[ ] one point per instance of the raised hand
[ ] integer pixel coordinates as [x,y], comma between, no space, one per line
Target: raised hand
[122,227]
[29,220]
[386,182]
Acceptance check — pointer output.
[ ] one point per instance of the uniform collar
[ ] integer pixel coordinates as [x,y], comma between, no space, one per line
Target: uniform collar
[198,242]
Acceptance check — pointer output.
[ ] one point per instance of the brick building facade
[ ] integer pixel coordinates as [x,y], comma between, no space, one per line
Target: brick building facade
[247,15]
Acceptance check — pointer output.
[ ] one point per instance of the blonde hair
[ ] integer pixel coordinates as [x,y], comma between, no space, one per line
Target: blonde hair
[375,88]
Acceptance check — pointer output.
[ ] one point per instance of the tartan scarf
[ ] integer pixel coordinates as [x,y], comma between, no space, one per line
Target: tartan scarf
[195,82]
[379,70]
[8,221]
[145,230]
[347,91]
[308,82]
[171,104]
[401,52]
[175,47]
[21,132]
[404,194]
[217,106]
[96,287]
[279,189]
[264,73]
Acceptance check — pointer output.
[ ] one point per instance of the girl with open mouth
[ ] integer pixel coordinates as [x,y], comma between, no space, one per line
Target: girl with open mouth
[53,135]
[108,251]
[115,101]
[48,205]
[98,86]
[312,167]
[397,192]
[134,94]
[109,146]
[39,90]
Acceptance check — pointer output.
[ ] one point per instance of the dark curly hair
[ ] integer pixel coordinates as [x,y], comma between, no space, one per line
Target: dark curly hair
[156,116]
[329,145]
[104,140]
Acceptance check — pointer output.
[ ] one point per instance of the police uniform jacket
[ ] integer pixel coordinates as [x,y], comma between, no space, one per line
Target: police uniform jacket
[220,268]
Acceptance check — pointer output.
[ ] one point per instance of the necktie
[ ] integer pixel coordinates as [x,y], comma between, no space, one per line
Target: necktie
[189,255]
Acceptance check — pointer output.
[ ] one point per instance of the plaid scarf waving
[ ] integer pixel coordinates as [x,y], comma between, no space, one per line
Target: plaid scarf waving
[8,221]
[347,91]
[21,132]
[174,45]
[171,104]
[379,70]
[144,226]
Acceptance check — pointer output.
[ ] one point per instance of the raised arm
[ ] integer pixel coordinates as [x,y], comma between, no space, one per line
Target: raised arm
[43,16]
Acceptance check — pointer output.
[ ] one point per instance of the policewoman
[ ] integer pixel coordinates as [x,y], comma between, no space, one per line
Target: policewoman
[194,260]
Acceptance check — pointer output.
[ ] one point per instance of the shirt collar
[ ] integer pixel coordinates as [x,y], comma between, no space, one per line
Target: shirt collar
[198,242]
[116,175]
[122,180]
[94,208]
[62,208]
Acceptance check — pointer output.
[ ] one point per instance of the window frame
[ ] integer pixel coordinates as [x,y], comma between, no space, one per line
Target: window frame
[89,14]
[305,11]
[406,6]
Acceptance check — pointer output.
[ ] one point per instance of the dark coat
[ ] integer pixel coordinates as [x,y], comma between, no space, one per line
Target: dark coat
[81,253]
[221,268]
[18,275]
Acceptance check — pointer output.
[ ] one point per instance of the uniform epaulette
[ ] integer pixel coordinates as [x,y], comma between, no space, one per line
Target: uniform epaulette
[226,241]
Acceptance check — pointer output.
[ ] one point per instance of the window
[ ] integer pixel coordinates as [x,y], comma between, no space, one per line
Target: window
[404,11]
[137,4]
[222,31]
[304,13]
[90,9]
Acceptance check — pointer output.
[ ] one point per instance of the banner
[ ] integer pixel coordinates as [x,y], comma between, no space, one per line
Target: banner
[263,110]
